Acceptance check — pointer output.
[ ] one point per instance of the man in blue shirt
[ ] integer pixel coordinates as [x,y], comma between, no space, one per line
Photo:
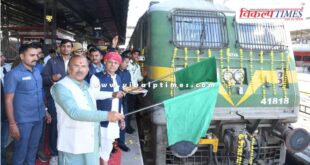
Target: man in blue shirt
[96,65]
[39,66]
[25,106]
[126,80]
[4,120]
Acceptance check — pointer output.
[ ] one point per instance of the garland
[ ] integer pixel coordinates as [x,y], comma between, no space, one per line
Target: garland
[261,55]
[209,53]
[198,57]
[251,150]
[241,63]
[142,63]
[228,69]
[241,138]
[185,57]
[251,70]
[172,92]
[286,73]
[222,67]
[272,71]
[283,75]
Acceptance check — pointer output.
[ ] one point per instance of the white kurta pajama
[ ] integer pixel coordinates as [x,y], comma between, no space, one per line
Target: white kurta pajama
[110,133]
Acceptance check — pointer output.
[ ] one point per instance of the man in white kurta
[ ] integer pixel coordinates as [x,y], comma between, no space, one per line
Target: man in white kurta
[109,83]
[78,118]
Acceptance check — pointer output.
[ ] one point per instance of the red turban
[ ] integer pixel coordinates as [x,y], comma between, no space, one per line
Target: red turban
[114,56]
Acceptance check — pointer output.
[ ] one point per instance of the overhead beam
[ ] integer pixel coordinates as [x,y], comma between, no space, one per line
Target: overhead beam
[24,7]
[21,11]
[116,24]
[22,20]
[121,31]
[66,4]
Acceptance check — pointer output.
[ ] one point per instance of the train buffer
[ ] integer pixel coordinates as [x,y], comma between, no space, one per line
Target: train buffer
[303,122]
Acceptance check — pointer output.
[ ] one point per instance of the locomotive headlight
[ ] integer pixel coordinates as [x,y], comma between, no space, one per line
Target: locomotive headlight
[227,76]
[239,76]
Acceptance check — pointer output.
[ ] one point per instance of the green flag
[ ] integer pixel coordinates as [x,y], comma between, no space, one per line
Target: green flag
[204,71]
[189,115]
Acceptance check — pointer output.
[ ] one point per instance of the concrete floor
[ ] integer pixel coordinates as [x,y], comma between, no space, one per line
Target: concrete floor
[134,156]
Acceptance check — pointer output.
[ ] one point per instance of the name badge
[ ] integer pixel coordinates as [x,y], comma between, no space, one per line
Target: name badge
[26,78]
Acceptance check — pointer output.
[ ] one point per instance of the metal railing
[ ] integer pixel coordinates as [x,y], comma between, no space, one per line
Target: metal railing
[304,109]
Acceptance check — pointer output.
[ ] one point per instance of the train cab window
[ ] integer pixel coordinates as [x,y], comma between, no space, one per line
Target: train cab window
[199,29]
[261,36]
[307,58]
[297,58]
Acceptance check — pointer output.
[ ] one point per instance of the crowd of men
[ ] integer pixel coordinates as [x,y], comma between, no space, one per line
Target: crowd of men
[63,93]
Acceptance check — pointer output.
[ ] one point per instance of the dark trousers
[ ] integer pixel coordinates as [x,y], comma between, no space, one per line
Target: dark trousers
[52,127]
[122,133]
[41,144]
[132,105]
[25,148]
[125,111]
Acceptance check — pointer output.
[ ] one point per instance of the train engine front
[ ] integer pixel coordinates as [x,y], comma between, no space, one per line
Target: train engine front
[258,97]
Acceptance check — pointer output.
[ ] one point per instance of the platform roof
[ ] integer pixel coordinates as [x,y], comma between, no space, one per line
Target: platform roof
[77,16]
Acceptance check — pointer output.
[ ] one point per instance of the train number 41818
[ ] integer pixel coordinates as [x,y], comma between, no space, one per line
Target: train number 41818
[272,101]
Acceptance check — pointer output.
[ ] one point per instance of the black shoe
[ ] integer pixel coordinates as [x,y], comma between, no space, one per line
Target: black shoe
[42,157]
[123,147]
[129,130]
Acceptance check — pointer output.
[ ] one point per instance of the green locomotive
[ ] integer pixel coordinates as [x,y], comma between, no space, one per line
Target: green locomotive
[258,96]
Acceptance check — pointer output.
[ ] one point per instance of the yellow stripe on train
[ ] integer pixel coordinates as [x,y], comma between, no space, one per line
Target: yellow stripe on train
[259,78]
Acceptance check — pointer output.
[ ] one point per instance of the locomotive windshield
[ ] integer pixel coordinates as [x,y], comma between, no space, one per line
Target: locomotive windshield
[199,29]
[261,36]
